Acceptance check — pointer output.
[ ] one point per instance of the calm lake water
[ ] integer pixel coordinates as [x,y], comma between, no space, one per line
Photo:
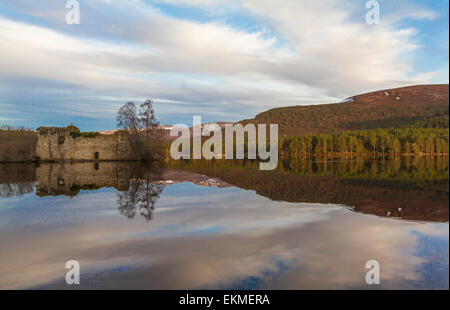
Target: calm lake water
[226,225]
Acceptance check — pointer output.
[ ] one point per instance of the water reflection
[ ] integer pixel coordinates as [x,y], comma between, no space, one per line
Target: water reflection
[16,180]
[207,237]
[70,179]
[140,197]
[409,188]
[9,190]
[225,226]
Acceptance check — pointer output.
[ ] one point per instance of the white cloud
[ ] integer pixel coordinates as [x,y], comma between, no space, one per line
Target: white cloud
[307,52]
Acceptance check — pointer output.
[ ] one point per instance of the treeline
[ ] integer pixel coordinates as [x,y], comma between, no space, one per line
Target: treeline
[376,143]
[433,122]
[17,144]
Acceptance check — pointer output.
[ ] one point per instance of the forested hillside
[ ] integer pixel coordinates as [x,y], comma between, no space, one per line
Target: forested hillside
[424,106]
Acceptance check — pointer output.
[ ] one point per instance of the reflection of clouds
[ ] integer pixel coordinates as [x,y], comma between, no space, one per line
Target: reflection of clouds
[216,238]
[236,211]
[32,211]
[8,189]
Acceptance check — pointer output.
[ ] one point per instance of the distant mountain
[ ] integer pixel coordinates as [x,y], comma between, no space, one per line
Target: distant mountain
[427,105]
[165,130]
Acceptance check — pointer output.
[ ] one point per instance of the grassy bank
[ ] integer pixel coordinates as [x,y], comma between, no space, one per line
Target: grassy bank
[17,145]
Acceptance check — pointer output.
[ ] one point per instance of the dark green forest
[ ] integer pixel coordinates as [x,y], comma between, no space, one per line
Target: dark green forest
[377,143]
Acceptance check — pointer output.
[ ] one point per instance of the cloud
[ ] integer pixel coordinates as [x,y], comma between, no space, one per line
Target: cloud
[301,53]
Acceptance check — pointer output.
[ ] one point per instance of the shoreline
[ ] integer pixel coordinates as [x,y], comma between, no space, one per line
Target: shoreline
[306,156]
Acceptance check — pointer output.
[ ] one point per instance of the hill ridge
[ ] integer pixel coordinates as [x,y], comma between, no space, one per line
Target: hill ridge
[387,108]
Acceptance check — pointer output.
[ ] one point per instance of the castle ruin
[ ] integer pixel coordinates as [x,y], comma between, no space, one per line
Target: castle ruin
[64,144]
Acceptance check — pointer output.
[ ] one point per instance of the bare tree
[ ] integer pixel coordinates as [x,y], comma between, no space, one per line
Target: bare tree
[127,118]
[143,128]
[147,117]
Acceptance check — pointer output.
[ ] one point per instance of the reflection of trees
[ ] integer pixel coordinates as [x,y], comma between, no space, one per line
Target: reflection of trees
[16,179]
[10,189]
[140,197]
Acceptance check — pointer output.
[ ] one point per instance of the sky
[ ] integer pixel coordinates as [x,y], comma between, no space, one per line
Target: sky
[225,60]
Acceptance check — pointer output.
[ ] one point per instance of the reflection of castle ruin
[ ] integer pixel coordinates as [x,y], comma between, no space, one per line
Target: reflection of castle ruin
[68,179]
[139,187]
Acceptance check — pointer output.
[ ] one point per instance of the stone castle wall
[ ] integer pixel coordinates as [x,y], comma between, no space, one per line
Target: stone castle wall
[56,144]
